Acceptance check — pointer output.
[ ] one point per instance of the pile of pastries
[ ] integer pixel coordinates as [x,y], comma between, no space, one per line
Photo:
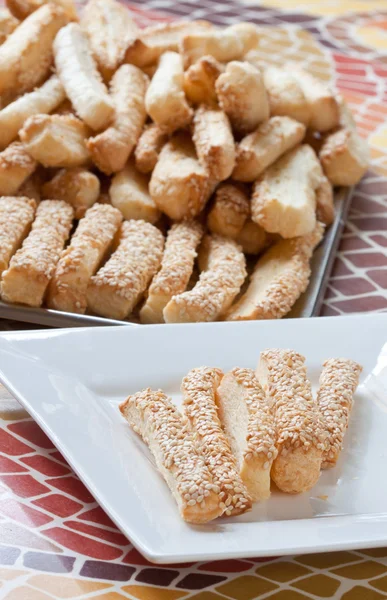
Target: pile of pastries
[140,168]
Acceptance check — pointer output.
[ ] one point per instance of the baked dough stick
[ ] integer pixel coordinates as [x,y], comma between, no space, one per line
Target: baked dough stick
[338,382]
[31,187]
[81,80]
[242,96]
[300,438]
[43,100]
[252,238]
[284,197]
[129,193]
[176,269]
[286,97]
[26,55]
[229,211]
[117,287]
[223,273]
[249,426]
[199,392]
[16,165]
[8,24]
[165,99]
[279,278]
[16,216]
[111,149]
[322,104]
[199,81]
[179,185]
[111,30]
[77,186]
[162,427]
[149,147]
[265,145]
[56,140]
[214,142]
[21,9]
[325,210]
[223,44]
[82,257]
[31,268]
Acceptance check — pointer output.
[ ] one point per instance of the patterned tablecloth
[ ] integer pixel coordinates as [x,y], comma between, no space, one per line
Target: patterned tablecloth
[55,542]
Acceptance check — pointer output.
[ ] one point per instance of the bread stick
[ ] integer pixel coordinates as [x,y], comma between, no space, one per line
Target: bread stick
[16,216]
[80,78]
[157,420]
[82,257]
[22,9]
[199,391]
[179,185]
[31,268]
[223,273]
[249,427]
[282,374]
[229,211]
[284,197]
[111,30]
[8,24]
[148,148]
[117,287]
[265,145]
[214,142]
[56,140]
[325,210]
[43,100]
[129,193]
[280,276]
[223,44]
[286,97]
[242,95]
[176,269]
[16,165]
[26,55]
[165,100]
[338,382]
[252,238]
[199,81]
[76,186]
[30,188]
[322,104]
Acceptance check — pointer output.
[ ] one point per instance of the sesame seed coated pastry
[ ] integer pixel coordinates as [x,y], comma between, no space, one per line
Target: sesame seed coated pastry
[214,142]
[77,186]
[199,81]
[149,147]
[229,211]
[16,165]
[16,216]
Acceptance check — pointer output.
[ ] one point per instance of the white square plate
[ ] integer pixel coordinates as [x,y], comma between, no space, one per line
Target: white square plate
[71,382]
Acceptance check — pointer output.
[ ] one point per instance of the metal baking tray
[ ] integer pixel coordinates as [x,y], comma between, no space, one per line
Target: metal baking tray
[308,305]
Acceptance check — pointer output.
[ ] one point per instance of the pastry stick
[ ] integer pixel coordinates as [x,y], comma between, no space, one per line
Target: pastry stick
[22,9]
[165,100]
[8,24]
[338,382]
[149,147]
[26,55]
[223,44]
[117,287]
[111,30]
[82,257]
[229,211]
[31,268]
[199,392]
[284,197]
[214,142]
[322,104]
[286,97]
[129,193]
[77,186]
[16,165]
[325,210]
[249,426]
[242,96]
[31,187]
[16,216]
[176,269]
[111,149]
[223,272]
[199,81]
[154,417]
[280,276]
[80,78]
[282,374]
[42,100]
[252,238]
[265,145]
[180,185]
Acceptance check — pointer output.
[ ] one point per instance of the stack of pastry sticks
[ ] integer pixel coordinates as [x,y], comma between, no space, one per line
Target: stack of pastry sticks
[242,429]
[140,168]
